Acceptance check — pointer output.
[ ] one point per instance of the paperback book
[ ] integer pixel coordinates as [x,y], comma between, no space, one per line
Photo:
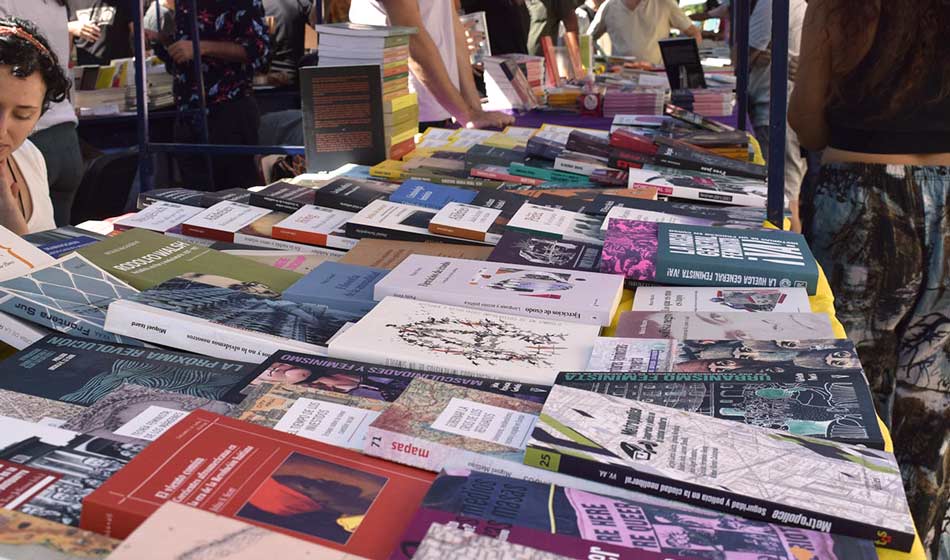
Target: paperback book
[301,263]
[27,537]
[19,257]
[314,225]
[759,473]
[834,405]
[80,371]
[703,187]
[382,219]
[282,197]
[576,297]
[432,421]
[455,340]
[386,253]
[159,217]
[242,224]
[737,217]
[196,316]
[342,286]
[723,326]
[61,241]
[558,224]
[452,540]
[430,195]
[737,300]
[520,248]
[37,410]
[302,488]
[351,194]
[468,221]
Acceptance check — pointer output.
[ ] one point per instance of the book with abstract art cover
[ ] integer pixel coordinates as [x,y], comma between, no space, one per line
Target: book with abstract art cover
[759,473]
[25,537]
[520,248]
[723,326]
[38,410]
[432,421]
[739,300]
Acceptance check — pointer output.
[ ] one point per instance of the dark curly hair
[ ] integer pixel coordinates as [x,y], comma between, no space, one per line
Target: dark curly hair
[25,58]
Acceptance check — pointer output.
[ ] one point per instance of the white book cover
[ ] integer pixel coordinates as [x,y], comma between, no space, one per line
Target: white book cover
[624,213]
[18,333]
[383,216]
[631,354]
[557,223]
[18,256]
[576,297]
[724,326]
[736,300]
[466,221]
[446,339]
[159,216]
[229,217]
[315,225]
[695,185]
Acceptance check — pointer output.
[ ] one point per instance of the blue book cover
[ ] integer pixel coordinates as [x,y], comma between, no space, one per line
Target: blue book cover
[430,195]
[345,286]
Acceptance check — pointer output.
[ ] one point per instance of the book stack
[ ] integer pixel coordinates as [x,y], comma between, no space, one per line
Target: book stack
[506,85]
[633,101]
[352,44]
[708,102]
[533,69]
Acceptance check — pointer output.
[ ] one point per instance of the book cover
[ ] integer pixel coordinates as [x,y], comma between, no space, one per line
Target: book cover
[576,297]
[284,483]
[301,263]
[759,473]
[723,326]
[26,537]
[188,197]
[236,194]
[315,225]
[370,381]
[691,158]
[833,404]
[382,219]
[631,355]
[554,518]
[70,296]
[18,256]
[556,223]
[430,195]
[177,532]
[145,259]
[521,248]
[39,410]
[223,221]
[737,300]
[49,470]
[432,421]
[344,286]
[446,339]
[387,253]
[18,333]
[282,197]
[443,541]
[342,116]
[159,216]
[62,240]
[350,194]
[81,371]
[468,221]
[703,187]
[138,414]
[625,208]
[194,315]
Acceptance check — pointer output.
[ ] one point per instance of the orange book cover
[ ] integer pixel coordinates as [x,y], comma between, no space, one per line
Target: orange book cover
[299,487]
[552,75]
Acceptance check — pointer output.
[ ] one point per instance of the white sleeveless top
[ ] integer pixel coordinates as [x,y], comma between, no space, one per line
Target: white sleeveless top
[437,19]
[33,168]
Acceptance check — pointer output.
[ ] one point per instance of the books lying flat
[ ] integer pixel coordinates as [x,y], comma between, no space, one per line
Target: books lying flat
[26,537]
[38,410]
[833,405]
[68,296]
[145,259]
[739,217]
[81,371]
[243,224]
[468,221]
[723,326]
[388,220]
[519,248]
[177,531]
[217,321]
[138,414]
[385,253]
[19,257]
[284,483]
[581,524]
[343,286]
[719,356]
[430,195]
[446,339]
[62,240]
[371,381]
[559,224]
[159,217]
[18,333]
[705,187]
[747,300]
[707,256]
[350,194]
[282,197]
[313,225]
[432,421]
[301,263]
[576,297]
[728,466]
[444,541]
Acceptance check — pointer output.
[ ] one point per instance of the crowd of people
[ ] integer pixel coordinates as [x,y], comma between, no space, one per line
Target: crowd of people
[870,92]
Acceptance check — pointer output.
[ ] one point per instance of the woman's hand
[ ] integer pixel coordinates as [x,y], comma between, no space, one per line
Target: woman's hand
[85,30]
[10,215]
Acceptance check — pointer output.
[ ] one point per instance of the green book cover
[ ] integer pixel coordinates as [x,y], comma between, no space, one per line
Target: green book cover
[145,259]
[552,175]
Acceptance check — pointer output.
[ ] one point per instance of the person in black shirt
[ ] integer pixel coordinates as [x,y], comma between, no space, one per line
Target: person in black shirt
[290,18]
[507,24]
[101,29]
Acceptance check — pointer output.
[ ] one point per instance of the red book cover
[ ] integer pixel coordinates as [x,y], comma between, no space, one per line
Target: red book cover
[397,151]
[299,487]
[552,75]
[626,140]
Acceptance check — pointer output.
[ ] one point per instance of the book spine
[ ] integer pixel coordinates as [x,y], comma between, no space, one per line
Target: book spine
[714,498]
[461,233]
[684,270]
[359,231]
[108,519]
[308,238]
[206,233]
[455,181]
[56,320]
[196,335]
[277,244]
[274,203]
[325,200]
[576,167]
[505,177]
[406,449]
[671,157]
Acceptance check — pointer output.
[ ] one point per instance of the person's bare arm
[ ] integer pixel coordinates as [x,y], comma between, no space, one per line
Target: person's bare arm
[806,107]
[694,32]
[598,26]
[572,40]
[480,118]
[181,51]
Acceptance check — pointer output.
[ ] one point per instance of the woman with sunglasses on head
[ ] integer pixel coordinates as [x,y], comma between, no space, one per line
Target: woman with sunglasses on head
[30,79]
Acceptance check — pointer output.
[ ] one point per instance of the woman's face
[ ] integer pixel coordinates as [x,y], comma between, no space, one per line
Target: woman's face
[21,102]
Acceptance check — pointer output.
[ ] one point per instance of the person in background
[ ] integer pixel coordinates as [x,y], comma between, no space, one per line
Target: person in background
[715,9]
[507,22]
[546,19]
[101,29]
[873,91]
[159,20]
[760,87]
[55,133]
[290,19]
[585,15]
[440,70]
[31,79]
[636,26]
[234,46]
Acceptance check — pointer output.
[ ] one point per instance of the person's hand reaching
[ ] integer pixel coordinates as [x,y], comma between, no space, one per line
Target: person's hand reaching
[85,30]
[490,119]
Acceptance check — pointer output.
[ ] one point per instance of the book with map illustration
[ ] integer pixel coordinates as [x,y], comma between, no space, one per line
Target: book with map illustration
[576,523]
[723,326]
[446,339]
[432,421]
[759,473]
[79,371]
[825,404]
[27,537]
[739,300]
[576,297]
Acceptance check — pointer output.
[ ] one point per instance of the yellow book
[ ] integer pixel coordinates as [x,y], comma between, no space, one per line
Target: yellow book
[390,169]
[105,76]
[401,102]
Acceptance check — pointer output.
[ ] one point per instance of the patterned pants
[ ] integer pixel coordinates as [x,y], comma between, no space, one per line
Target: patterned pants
[882,235]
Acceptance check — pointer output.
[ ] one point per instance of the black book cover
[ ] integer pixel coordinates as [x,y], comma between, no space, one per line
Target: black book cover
[516,247]
[681,60]
[586,143]
[692,214]
[543,148]
[672,153]
[188,197]
[283,197]
[491,155]
[351,195]
[342,116]
[236,194]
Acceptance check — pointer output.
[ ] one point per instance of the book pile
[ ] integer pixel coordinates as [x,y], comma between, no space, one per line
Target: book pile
[708,102]
[533,69]
[636,101]
[447,364]
[507,86]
